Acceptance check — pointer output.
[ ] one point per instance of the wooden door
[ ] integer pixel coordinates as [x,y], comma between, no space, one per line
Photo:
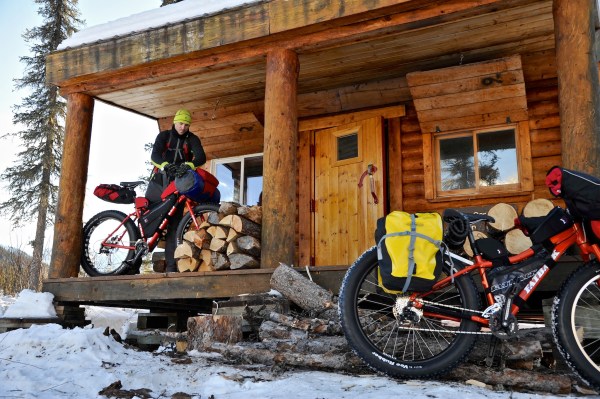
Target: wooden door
[345,214]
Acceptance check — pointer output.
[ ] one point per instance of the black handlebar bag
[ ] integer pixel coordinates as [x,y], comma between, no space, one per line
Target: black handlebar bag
[580,191]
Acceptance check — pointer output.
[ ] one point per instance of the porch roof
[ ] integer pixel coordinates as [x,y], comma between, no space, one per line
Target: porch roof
[215,64]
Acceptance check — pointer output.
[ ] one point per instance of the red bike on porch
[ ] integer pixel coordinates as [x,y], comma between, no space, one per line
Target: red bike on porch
[114,243]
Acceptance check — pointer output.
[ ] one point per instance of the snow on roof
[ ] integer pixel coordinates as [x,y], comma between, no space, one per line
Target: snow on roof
[154,18]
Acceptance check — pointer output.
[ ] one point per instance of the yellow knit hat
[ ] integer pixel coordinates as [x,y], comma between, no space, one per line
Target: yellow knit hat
[183,116]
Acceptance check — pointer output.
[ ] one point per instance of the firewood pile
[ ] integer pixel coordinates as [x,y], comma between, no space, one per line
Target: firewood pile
[300,328]
[503,228]
[228,239]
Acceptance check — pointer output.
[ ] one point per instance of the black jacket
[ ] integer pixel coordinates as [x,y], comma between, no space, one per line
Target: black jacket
[170,147]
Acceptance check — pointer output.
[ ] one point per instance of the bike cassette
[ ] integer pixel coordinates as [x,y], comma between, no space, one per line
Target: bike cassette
[403,310]
[503,329]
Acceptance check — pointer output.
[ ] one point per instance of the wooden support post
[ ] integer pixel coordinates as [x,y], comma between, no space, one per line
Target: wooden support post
[578,87]
[280,159]
[66,248]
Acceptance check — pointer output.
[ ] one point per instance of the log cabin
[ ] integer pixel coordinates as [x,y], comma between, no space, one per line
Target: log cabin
[318,96]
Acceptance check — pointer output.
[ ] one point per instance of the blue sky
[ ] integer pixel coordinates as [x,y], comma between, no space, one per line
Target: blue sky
[118,137]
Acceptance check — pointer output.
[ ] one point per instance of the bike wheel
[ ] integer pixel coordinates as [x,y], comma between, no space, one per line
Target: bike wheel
[576,323]
[422,348]
[201,212]
[98,259]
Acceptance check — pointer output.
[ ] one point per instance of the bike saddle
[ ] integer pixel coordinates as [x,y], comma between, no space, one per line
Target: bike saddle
[450,214]
[132,184]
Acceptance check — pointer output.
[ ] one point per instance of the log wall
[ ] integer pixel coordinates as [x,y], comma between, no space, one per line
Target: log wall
[541,83]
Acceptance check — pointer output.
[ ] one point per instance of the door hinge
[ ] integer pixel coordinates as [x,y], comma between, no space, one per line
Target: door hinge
[313,205]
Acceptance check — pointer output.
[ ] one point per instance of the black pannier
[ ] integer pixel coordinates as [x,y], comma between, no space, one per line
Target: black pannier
[580,191]
[115,193]
[156,214]
[542,228]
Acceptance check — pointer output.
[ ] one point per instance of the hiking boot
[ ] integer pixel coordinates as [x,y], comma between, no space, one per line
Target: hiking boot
[171,269]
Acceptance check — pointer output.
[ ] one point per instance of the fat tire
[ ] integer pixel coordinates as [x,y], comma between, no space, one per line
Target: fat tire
[90,263]
[187,222]
[574,315]
[361,272]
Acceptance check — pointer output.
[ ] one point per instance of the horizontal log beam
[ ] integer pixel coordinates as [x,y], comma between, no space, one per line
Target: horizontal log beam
[164,287]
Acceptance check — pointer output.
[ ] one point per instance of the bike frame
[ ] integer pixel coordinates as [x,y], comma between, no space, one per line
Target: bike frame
[575,235]
[152,242]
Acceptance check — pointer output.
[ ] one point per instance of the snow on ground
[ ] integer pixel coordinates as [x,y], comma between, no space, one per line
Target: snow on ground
[47,361]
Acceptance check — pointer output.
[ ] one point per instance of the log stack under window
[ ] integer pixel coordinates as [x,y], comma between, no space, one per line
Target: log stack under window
[227,240]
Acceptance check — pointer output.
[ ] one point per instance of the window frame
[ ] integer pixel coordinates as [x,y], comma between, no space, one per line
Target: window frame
[432,164]
[242,160]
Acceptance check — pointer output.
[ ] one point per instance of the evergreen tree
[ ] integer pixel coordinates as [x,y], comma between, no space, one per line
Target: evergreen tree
[167,2]
[33,178]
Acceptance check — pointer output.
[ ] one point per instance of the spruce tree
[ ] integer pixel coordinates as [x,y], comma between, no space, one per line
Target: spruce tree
[32,179]
[167,2]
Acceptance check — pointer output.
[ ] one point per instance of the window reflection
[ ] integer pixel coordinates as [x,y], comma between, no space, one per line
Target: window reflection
[473,160]
[240,179]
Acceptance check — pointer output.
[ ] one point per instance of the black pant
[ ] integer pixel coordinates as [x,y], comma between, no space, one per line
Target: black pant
[157,184]
[171,239]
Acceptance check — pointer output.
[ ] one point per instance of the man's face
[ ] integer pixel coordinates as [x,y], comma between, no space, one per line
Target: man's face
[181,127]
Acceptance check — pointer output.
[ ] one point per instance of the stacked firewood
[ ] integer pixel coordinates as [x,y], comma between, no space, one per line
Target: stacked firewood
[228,239]
[503,228]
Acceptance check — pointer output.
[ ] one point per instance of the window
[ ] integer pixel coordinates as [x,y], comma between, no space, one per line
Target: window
[240,178]
[347,147]
[478,162]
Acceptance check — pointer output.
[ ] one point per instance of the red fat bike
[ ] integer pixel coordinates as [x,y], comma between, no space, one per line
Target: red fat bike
[426,334]
[114,243]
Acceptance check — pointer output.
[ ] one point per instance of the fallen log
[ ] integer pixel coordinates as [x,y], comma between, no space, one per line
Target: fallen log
[272,330]
[204,330]
[303,292]
[252,354]
[513,379]
[317,326]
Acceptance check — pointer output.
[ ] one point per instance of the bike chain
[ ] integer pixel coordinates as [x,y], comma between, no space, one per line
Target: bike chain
[448,331]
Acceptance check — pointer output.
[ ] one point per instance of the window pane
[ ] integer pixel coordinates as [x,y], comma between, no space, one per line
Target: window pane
[457,163]
[347,147]
[229,181]
[497,157]
[253,179]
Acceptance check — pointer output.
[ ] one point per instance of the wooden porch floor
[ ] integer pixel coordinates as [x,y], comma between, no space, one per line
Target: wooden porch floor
[176,291]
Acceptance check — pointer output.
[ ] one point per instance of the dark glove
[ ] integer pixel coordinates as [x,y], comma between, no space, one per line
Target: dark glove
[182,169]
[171,170]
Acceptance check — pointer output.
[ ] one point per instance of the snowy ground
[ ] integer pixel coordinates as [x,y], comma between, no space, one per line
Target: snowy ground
[46,361]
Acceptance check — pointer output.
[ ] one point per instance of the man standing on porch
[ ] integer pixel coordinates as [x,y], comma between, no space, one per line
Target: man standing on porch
[173,149]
